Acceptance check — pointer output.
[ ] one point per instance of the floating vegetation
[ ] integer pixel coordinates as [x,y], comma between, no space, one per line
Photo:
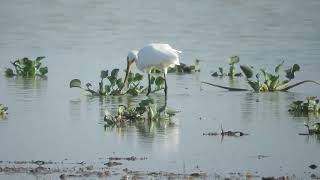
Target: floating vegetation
[233,60]
[26,67]
[301,107]
[116,86]
[182,68]
[146,110]
[270,82]
[3,110]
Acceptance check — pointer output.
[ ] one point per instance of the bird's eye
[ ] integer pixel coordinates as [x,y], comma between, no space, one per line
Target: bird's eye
[127,58]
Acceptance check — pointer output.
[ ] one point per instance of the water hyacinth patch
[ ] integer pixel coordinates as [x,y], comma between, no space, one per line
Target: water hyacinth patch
[145,110]
[3,110]
[26,67]
[116,86]
[233,60]
[268,82]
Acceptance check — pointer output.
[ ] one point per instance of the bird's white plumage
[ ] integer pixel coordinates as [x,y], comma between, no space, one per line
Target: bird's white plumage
[160,56]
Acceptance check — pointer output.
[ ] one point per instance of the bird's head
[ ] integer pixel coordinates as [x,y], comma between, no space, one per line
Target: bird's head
[131,58]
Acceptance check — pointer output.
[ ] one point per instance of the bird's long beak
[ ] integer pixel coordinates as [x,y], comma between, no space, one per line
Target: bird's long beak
[129,65]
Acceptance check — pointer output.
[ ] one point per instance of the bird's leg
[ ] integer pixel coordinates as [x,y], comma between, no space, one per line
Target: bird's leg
[149,84]
[165,87]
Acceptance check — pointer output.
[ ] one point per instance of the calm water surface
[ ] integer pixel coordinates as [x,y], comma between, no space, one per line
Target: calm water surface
[49,121]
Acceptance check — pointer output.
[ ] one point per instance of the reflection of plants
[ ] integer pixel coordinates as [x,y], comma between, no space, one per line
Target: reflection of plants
[146,110]
[3,110]
[27,68]
[115,85]
[182,68]
[311,105]
[233,60]
[270,82]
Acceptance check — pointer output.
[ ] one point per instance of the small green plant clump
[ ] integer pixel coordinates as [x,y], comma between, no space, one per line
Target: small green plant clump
[146,110]
[116,86]
[182,68]
[3,110]
[26,67]
[233,60]
[311,105]
[270,82]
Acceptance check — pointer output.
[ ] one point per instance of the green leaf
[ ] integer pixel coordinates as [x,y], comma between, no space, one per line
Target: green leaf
[146,102]
[104,74]
[274,82]
[221,71]
[266,76]
[120,83]
[5,108]
[107,89]
[215,74]
[276,70]
[75,83]
[133,92]
[247,71]
[232,71]
[234,60]
[290,73]
[43,71]
[138,77]
[295,68]
[121,110]
[40,58]
[150,113]
[152,79]
[112,80]
[254,85]
[9,72]
[114,73]
[101,90]
[159,81]
[282,85]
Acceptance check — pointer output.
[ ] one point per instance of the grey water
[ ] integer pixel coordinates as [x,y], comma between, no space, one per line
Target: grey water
[49,121]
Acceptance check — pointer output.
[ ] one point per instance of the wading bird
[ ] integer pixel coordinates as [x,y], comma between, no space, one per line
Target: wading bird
[160,56]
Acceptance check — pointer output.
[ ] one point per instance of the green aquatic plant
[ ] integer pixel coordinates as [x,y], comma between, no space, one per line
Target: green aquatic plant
[182,68]
[269,81]
[311,105]
[26,67]
[146,110]
[116,86]
[3,110]
[233,60]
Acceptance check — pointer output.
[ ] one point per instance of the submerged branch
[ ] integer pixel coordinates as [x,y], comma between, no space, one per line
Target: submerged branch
[225,87]
[297,84]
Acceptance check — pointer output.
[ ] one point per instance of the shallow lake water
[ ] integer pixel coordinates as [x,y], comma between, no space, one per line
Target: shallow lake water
[49,121]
